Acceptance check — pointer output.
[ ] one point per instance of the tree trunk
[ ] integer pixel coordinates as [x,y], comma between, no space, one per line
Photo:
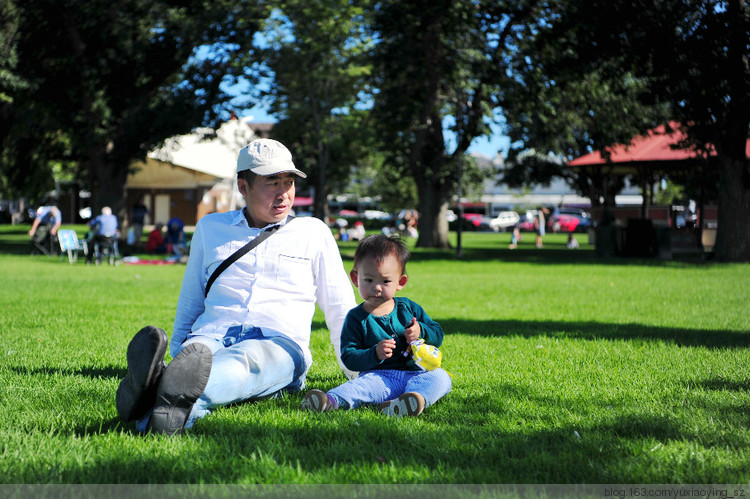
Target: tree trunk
[433,225]
[107,182]
[320,199]
[733,231]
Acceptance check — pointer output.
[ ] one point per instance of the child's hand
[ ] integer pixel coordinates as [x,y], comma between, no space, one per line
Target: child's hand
[384,349]
[413,330]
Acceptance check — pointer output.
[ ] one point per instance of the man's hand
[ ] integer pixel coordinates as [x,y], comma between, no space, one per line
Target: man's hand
[384,349]
[413,330]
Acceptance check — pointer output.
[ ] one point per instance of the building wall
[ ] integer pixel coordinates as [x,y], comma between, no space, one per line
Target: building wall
[168,191]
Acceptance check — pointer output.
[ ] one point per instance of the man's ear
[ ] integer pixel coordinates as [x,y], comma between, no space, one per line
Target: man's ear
[354,278]
[242,186]
[402,281]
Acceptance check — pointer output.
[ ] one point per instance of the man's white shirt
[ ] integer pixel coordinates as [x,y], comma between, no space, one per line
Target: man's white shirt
[275,286]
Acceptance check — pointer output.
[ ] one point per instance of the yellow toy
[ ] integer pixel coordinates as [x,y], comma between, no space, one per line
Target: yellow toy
[426,356]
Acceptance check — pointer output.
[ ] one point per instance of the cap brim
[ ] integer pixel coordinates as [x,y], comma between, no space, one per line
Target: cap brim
[267,171]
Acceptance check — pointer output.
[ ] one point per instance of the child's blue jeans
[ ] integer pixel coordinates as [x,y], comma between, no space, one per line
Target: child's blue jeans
[375,387]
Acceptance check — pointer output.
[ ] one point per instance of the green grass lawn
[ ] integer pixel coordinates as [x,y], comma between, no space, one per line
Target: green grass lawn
[568,369]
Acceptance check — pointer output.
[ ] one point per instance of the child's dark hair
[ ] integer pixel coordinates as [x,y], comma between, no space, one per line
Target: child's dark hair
[380,246]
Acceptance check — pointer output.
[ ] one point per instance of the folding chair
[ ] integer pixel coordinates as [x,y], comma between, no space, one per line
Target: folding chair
[70,244]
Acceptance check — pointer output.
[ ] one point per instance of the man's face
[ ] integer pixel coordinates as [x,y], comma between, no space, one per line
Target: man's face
[269,200]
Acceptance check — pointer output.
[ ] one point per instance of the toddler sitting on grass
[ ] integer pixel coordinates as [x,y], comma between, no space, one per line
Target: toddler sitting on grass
[376,336]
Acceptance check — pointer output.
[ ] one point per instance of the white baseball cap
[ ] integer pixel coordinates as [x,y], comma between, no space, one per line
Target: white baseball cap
[266,157]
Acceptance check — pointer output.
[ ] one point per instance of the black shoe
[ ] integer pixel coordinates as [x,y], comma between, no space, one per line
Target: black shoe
[180,387]
[137,391]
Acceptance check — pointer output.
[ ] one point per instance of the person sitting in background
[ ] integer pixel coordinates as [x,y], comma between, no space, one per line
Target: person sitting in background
[357,233]
[155,242]
[103,234]
[176,243]
[572,242]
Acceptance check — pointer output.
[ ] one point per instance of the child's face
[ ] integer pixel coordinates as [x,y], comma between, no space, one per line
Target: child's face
[378,284]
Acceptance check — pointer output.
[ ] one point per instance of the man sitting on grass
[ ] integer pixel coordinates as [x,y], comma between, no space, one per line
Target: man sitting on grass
[245,334]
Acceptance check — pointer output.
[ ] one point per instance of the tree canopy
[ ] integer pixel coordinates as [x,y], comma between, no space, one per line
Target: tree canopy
[89,86]
[108,81]
[317,57]
[440,70]
[650,61]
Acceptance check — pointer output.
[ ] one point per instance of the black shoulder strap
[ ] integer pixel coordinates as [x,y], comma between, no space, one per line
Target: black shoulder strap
[241,252]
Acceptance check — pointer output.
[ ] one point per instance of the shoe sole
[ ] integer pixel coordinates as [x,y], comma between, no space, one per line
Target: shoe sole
[180,387]
[408,404]
[137,391]
[315,400]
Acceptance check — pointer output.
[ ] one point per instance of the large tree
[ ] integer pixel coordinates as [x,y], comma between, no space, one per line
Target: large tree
[316,56]
[9,80]
[693,55]
[109,80]
[551,119]
[440,69]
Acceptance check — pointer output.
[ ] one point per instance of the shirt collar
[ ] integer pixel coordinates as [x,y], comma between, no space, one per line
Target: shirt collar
[239,219]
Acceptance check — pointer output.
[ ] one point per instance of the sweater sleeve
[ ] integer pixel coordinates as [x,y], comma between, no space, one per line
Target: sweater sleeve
[356,355]
[432,332]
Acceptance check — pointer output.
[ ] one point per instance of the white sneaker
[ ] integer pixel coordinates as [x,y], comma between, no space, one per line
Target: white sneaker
[408,404]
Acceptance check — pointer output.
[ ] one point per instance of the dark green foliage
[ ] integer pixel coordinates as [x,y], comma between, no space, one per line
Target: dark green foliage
[108,81]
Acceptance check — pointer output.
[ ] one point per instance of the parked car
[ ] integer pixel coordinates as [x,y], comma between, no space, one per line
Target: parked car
[348,213]
[479,221]
[504,220]
[526,224]
[564,223]
[583,217]
[377,215]
[568,210]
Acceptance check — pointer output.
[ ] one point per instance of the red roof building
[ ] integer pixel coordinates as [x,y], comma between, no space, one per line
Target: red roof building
[654,150]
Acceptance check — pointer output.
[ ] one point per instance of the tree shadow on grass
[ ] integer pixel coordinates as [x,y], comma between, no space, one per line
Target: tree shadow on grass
[709,338]
[546,438]
[472,448]
[723,384]
[45,374]
[552,256]
[88,372]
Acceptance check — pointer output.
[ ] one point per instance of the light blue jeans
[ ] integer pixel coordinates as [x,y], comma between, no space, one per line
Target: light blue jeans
[245,365]
[375,387]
